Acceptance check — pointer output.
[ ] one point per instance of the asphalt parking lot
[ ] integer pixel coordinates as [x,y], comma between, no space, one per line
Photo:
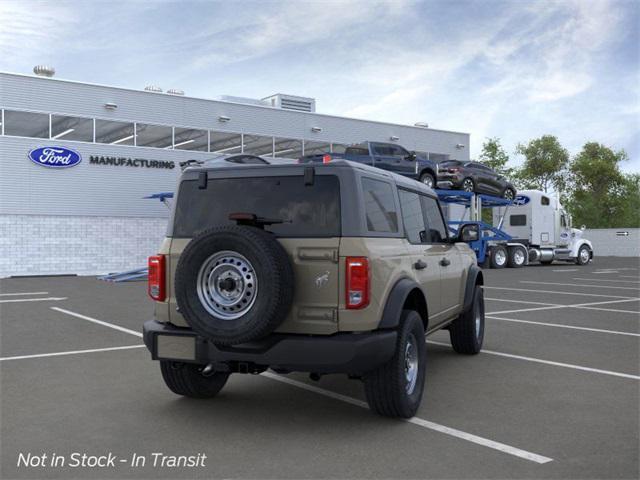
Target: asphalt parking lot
[555,393]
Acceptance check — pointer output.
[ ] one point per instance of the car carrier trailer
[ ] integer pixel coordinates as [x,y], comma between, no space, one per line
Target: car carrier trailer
[494,247]
[534,227]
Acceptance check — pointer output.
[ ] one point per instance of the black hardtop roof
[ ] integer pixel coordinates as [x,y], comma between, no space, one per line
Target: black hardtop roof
[298,169]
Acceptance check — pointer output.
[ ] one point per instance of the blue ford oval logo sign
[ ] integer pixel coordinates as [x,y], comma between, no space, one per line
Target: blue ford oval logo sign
[521,200]
[55,157]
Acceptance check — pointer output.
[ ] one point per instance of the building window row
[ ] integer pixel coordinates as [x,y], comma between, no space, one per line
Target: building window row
[114,132]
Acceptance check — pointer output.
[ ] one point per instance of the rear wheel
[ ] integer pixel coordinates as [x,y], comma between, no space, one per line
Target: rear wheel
[468,185]
[498,256]
[517,257]
[428,180]
[467,331]
[189,380]
[395,389]
[509,194]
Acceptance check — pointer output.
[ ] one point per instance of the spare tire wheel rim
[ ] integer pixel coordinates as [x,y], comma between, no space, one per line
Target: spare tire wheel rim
[227,285]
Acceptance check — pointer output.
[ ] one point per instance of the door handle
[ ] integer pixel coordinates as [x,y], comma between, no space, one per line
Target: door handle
[420,265]
[445,262]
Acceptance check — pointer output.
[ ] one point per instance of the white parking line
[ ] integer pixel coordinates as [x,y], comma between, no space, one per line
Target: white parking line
[579,294]
[23,293]
[47,299]
[518,301]
[549,362]
[572,327]
[581,285]
[72,352]
[485,442]
[567,270]
[586,306]
[628,276]
[605,280]
[99,322]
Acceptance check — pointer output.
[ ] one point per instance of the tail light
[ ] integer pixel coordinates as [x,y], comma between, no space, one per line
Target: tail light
[156,286]
[357,284]
[326,158]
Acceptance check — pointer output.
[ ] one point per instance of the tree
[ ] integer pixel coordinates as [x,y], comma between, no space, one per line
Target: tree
[545,164]
[494,156]
[601,195]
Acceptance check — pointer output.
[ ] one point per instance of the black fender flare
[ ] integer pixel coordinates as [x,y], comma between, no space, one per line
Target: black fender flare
[430,171]
[473,277]
[395,301]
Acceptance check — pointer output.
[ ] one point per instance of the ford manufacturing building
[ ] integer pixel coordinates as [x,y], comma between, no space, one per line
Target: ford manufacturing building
[120,145]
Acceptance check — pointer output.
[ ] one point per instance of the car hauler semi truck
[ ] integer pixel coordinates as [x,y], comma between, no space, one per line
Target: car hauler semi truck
[540,223]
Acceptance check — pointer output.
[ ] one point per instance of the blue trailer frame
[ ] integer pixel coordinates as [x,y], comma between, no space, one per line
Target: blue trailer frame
[488,234]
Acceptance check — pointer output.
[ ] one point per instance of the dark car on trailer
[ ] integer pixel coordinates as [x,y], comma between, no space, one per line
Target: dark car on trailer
[475,177]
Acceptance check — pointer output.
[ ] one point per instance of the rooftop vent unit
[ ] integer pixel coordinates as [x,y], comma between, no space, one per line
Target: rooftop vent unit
[153,88]
[175,91]
[291,102]
[244,100]
[44,71]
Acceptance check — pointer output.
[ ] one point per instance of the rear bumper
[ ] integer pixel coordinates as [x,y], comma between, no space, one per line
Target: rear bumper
[340,353]
[454,180]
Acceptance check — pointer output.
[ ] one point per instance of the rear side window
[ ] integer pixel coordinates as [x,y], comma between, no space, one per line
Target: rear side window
[357,151]
[544,201]
[518,220]
[380,208]
[305,210]
[412,216]
[437,231]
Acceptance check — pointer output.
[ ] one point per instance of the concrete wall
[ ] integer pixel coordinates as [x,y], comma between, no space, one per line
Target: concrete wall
[611,242]
[49,245]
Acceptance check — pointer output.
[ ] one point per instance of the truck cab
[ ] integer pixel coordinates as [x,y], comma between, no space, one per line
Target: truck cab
[539,221]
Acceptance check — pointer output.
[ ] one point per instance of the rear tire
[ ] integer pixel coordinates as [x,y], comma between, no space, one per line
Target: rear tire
[186,379]
[428,180]
[467,331]
[517,257]
[508,194]
[498,256]
[468,185]
[395,389]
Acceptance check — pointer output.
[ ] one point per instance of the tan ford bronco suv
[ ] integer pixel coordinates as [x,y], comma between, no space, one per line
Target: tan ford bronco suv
[330,268]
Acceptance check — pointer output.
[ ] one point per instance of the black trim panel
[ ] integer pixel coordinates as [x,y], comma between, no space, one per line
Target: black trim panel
[352,353]
[474,272]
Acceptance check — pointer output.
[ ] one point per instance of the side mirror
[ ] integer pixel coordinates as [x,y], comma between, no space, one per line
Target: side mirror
[469,233]
[411,157]
[583,227]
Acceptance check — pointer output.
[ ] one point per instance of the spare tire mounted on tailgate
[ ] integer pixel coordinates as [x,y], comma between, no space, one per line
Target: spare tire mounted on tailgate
[234,284]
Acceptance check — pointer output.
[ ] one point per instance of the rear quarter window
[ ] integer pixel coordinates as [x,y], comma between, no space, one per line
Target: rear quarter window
[380,206]
[305,210]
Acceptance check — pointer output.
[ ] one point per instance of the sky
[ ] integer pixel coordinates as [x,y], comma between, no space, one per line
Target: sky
[509,69]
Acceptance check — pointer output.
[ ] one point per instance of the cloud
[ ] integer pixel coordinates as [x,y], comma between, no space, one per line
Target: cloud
[31,28]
